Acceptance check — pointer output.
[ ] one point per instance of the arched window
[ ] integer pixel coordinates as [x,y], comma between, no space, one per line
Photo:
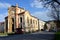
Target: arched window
[21,19]
[21,22]
[12,24]
[28,21]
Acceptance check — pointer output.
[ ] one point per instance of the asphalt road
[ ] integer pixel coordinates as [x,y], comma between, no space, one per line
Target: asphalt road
[33,36]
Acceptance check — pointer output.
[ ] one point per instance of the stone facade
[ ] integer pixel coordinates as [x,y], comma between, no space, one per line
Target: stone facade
[20,18]
[41,25]
[1,27]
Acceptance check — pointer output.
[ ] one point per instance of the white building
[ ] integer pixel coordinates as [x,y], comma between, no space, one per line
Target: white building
[41,24]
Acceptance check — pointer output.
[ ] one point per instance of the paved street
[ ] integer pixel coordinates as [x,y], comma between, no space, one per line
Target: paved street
[33,36]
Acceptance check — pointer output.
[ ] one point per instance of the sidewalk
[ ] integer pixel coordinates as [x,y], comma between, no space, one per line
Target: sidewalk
[43,32]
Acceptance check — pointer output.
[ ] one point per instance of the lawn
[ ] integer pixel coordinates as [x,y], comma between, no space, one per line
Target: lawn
[57,36]
[3,34]
[6,34]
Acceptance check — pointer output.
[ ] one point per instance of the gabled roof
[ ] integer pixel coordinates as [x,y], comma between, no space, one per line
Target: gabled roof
[6,17]
[18,7]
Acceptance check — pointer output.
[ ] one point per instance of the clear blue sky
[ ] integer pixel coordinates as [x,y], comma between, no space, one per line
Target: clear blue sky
[33,6]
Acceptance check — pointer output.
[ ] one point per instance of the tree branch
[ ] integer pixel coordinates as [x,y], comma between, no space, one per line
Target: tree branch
[56,1]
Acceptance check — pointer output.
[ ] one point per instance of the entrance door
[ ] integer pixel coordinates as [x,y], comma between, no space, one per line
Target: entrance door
[12,25]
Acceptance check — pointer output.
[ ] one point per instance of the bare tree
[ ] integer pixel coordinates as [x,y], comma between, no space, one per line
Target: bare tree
[55,9]
[50,1]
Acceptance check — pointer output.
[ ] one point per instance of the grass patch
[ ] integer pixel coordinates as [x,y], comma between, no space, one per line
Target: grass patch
[11,33]
[6,34]
[57,32]
[57,36]
[3,34]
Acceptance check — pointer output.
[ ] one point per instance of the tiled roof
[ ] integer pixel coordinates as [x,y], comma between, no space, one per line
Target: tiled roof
[1,23]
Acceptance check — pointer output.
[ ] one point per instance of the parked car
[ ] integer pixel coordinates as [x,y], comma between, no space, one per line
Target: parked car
[19,31]
[52,30]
